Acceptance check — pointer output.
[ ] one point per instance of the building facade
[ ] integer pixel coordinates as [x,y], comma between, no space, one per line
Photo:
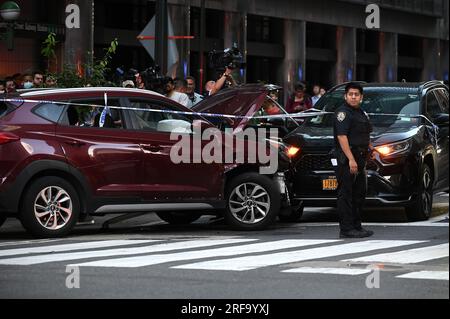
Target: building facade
[284,41]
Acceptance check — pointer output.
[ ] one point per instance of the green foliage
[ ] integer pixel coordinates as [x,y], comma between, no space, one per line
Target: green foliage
[95,73]
[88,74]
[48,49]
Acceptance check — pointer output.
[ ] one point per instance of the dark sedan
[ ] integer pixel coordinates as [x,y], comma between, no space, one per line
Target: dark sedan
[411,124]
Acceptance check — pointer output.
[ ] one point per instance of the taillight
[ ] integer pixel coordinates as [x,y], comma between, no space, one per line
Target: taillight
[6,137]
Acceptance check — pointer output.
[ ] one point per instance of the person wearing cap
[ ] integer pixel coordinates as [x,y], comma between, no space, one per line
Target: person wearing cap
[352,129]
[128,84]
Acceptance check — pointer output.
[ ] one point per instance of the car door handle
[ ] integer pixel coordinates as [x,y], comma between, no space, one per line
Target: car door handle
[74,143]
[151,147]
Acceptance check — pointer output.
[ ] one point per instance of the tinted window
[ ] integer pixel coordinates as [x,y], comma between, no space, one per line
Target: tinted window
[442,96]
[375,102]
[158,117]
[88,113]
[49,111]
[385,108]
[5,108]
[433,107]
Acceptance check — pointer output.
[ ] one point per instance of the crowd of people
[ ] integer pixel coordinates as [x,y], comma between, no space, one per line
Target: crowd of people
[26,81]
[181,90]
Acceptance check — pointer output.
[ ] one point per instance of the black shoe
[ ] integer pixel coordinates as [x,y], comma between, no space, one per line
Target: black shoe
[355,233]
[366,231]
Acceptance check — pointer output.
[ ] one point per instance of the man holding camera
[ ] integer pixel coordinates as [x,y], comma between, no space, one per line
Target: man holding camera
[226,80]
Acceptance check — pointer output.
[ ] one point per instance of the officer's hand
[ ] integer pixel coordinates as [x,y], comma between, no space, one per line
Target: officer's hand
[353,166]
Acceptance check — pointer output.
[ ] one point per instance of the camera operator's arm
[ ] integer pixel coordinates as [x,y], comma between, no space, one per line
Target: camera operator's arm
[232,81]
[220,82]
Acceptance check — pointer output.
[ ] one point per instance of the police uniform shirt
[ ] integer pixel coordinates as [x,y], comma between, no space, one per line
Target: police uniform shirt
[354,123]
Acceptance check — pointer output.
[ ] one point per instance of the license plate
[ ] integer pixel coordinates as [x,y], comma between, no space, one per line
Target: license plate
[329,184]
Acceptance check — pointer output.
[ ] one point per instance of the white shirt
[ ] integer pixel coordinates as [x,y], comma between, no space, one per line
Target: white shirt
[181,98]
[197,98]
[315,98]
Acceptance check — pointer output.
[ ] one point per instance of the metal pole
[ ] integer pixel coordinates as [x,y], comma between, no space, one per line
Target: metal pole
[161,30]
[10,36]
[188,31]
[91,40]
[202,45]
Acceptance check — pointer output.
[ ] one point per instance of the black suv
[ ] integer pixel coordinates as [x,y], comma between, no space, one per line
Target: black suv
[411,124]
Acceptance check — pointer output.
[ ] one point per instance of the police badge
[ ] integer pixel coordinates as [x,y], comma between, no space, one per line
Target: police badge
[341,116]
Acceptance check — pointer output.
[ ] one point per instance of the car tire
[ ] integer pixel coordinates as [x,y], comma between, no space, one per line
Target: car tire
[50,207]
[2,220]
[421,208]
[252,202]
[179,218]
[291,214]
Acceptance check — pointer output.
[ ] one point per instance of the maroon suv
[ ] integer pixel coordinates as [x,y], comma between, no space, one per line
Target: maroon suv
[62,158]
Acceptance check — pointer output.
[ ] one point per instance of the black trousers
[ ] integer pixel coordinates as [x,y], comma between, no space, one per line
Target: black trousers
[351,191]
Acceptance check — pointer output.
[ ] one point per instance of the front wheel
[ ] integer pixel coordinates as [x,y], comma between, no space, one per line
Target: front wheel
[50,207]
[253,202]
[179,218]
[421,208]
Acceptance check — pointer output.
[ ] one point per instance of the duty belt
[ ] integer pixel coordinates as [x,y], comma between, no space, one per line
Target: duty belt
[360,150]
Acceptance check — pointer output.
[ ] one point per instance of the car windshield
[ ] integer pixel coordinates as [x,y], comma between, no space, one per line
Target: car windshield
[384,108]
[270,108]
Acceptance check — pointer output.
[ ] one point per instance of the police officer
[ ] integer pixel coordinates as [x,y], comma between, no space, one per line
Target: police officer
[352,138]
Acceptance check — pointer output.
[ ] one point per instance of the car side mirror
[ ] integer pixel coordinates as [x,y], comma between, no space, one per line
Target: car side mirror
[441,119]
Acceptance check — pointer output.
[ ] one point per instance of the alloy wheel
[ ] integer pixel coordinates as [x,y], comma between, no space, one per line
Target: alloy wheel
[249,203]
[53,207]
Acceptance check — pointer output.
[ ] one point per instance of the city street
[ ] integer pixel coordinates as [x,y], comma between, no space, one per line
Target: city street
[123,122]
[147,258]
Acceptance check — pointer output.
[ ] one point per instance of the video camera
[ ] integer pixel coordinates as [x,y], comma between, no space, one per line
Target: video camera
[153,80]
[230,58]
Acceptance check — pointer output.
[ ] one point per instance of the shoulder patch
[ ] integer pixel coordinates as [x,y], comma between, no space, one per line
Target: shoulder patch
[341,116]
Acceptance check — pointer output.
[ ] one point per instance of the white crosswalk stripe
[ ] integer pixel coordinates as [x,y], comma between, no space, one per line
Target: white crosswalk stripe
[148,260]
[253,262]
[40,259]
[243,254]
[333,271]
[410,256]
[434,275]
[69,247]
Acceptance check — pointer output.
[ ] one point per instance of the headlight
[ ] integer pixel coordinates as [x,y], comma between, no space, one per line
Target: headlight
[393,148]
[291,151]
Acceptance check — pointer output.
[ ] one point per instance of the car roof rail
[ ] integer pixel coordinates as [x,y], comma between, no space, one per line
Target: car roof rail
[431,83]
[344,84]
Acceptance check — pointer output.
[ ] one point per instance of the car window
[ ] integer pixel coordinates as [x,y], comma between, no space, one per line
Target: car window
[88,113]
[330,101]
[5,108]
[433,108]
[442,96]
[386,108]
[148,115]
[49,111]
